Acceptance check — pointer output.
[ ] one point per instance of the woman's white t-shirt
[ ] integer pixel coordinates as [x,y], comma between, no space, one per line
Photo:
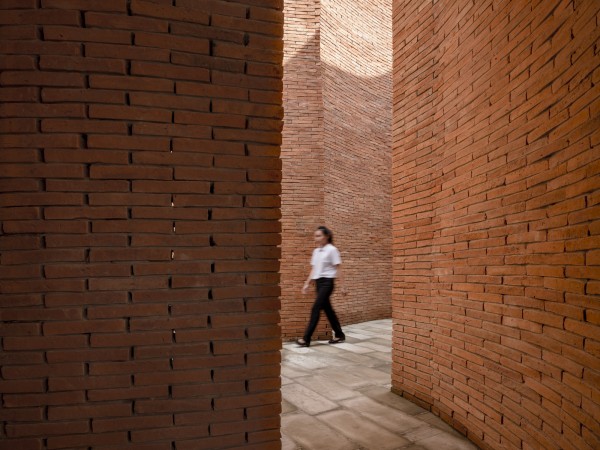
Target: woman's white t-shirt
[324,259]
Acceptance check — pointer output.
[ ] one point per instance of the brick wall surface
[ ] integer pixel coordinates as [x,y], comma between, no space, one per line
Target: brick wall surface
[496,218]
[356,50]
[140,183]
[302,156]
[337,154]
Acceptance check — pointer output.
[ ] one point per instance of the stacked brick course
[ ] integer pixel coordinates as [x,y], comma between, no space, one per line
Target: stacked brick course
[140,183]
[336,154]
[496,213]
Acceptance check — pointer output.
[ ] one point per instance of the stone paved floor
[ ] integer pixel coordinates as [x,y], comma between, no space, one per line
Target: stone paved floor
[337,397]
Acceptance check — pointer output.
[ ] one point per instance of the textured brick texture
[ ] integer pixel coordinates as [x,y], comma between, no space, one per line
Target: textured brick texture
[140,183]
[336,154]
[302,156]
[496,218]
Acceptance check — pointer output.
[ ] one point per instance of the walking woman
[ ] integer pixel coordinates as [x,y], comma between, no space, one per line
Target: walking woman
[325,264]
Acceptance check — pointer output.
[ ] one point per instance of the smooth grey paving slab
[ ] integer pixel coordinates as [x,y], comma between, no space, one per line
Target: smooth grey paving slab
[375,330]
[287,443]
[352,359]
[305,362]
[316,359]
[374,346]
[306,399]
[385,396]
[371,375]
[357,336]
[384,357]
[328,388]
[386,416]
[347,378]
[425,431]
[445,441]
[435,421]
[338,397]
[362,431]
[312,434]
[354,348]
[287,407]
[291,371]
[383,340]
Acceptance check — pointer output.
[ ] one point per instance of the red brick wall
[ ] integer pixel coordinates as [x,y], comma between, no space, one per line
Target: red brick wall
[336,154]
[356,46]
[302,156]
[140,182]
[496,218]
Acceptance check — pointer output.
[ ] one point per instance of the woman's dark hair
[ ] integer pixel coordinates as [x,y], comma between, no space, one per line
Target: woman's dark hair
[327,232]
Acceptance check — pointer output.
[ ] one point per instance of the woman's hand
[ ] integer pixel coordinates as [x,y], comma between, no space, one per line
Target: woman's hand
[305,287]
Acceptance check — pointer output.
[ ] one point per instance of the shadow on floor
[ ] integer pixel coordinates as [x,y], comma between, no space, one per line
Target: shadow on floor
[337,397]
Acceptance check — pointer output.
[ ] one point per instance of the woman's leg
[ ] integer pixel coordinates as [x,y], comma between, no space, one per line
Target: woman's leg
[332,316]
[324,290]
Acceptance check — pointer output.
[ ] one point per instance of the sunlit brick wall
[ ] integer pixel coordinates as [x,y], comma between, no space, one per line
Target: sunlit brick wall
[140,182]
[337,154]
[356,50]
[302,159]
[496,214]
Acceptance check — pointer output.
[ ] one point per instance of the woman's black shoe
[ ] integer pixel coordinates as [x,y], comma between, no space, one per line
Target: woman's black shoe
[302,343]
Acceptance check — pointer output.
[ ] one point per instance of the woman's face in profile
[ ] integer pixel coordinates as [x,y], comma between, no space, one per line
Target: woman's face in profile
[320,239]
